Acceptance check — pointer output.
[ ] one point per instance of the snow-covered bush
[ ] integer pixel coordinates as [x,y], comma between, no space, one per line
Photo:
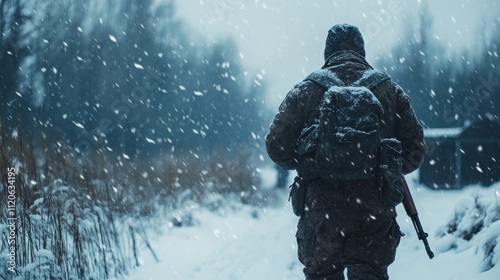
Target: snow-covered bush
[43,267]
[476,222]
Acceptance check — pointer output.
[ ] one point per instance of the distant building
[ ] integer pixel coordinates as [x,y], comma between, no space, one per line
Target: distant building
[462,156]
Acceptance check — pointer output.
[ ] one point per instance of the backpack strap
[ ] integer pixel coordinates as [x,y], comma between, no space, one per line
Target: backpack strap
[326,79]
[372,78]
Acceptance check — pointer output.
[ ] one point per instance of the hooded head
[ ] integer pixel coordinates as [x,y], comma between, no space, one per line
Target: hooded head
[344,37]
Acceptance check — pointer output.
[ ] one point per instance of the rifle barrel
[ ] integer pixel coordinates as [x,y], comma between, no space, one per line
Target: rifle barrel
[411,211]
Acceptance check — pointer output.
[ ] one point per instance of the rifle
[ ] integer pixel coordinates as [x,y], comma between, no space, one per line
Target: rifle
[411,211]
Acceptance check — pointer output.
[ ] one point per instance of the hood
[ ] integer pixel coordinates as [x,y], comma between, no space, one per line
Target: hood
[344,37]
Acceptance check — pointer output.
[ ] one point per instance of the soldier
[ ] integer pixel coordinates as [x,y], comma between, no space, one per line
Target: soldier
[344,224]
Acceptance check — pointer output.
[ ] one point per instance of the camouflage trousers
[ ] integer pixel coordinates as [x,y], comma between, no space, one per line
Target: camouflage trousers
[355,239]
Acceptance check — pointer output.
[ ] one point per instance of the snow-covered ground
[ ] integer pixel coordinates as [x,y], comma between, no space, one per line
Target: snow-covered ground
[254,243]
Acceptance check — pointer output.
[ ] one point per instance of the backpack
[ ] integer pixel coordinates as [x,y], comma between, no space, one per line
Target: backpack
[345,145]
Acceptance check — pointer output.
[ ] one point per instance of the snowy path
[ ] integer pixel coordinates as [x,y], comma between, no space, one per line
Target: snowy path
[255,253]
[239,246]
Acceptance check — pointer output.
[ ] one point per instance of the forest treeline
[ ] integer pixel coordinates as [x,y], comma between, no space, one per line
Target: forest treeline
[124,76]
[448,87]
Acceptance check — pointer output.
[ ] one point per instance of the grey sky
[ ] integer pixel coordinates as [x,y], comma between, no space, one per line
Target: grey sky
[285,39]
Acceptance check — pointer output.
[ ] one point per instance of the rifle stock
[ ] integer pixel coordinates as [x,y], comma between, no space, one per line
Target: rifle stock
[411,211]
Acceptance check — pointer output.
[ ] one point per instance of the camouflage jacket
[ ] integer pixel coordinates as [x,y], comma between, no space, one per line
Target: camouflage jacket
[299,110]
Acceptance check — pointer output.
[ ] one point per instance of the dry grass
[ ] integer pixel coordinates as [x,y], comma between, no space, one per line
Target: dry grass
[87,217]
